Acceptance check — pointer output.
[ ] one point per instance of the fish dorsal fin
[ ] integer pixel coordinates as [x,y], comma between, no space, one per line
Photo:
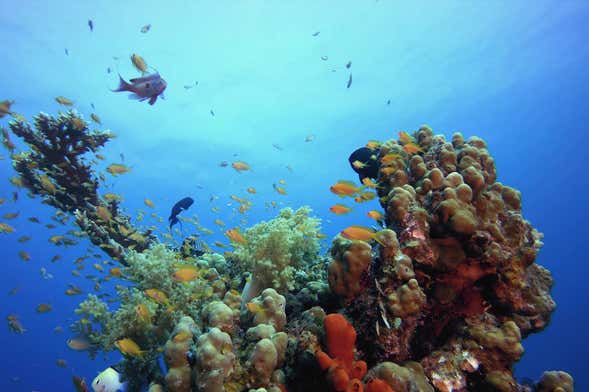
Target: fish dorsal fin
[145,78]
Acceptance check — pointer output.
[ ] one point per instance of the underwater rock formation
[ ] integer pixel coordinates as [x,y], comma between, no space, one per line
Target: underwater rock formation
[440,303]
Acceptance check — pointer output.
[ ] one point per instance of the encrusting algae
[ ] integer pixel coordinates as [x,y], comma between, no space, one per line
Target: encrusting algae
[437,300]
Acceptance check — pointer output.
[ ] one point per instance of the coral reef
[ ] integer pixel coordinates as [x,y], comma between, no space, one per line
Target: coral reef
[440,303]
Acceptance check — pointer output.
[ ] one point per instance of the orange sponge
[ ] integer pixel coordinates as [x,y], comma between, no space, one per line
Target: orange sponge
[378,385]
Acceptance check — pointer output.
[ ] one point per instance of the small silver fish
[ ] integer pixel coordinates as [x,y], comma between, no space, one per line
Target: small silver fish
[144,88]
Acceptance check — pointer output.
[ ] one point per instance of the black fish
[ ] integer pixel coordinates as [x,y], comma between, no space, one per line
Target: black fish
[315,34]
[91,24]
[349,81]
[367,156]
[389,102]
[212,113]
[349,64]
[67,53]
[182,205]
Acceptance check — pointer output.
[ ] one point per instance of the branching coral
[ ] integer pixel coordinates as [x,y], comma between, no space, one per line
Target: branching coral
[56,168]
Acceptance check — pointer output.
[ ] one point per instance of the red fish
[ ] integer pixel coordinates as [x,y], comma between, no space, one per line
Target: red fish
[147,87]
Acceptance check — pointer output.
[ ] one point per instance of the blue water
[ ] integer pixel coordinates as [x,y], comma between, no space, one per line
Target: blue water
[513,73]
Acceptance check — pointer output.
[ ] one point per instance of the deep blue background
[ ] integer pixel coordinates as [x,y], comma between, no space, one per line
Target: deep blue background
[514,73]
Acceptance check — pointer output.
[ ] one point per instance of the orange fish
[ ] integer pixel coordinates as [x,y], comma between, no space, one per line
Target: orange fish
[373,144]
[280,190]
[185,274]
[251,190]
[345,188]
[6,228]
[44,308]
[24,256]
[79,343]
[5,107]
[254,308]
[129,347]
[115,169]
[219,222]
[95,118]
[364,196]
[412,148]
[143,312]
[181,337]
[64,101]
[361,233]
[116,271]
[388,170]
[157,295]
[369,183]
[11,215]
[405,138]
[235,236]
[139,63]
[359,164]
[148,203]
[340,209]
[389,158]
[376,215]
[240,166]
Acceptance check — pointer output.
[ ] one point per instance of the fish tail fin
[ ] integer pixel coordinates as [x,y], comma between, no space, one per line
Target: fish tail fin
[123,86]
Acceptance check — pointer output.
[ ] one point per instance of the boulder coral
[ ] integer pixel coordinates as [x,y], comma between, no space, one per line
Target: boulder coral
[179,375]
[349,266]
[214,360]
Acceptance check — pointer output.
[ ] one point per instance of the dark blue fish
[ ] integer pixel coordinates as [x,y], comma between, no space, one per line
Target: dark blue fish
[182,205]
[349,81]
[91,24]
[365,155]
